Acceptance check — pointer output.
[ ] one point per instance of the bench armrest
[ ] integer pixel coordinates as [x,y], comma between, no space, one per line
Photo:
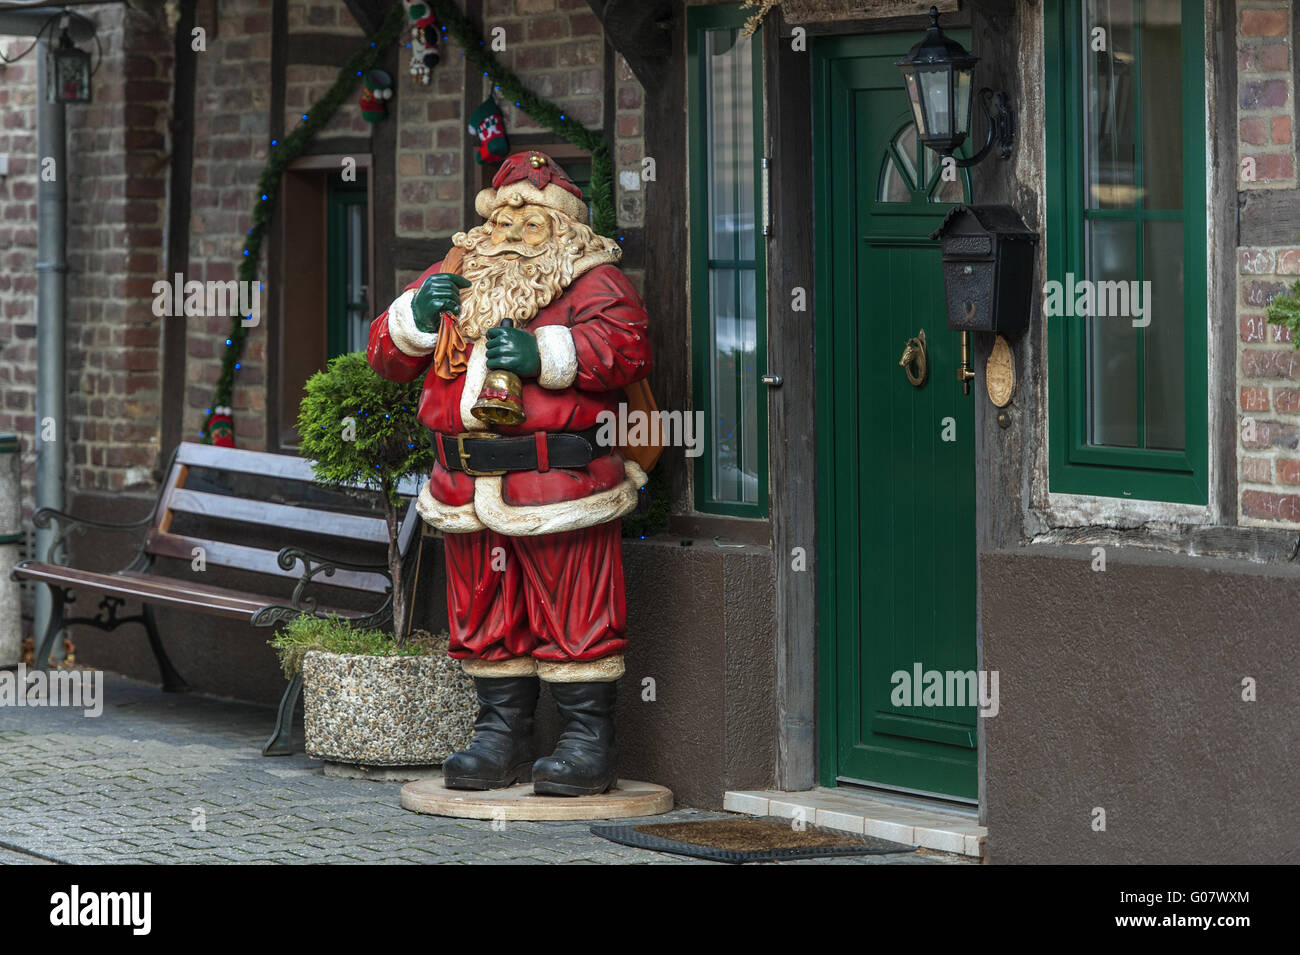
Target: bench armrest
[301,602]
[69,524]
[45,515]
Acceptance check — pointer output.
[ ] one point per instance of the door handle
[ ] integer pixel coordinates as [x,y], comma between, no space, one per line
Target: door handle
[915,362]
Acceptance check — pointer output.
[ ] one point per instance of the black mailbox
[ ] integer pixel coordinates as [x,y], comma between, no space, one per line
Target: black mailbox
[988,267]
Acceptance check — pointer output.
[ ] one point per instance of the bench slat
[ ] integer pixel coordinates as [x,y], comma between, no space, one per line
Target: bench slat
[371,530]
[164,591]
[256,560]
[285,466]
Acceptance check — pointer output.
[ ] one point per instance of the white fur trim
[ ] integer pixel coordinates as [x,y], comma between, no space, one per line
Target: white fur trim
[446,517]
[475,372]
[532,520]
[604,670]
[612,254]
[552,197]
[497,669]
[403,331]
[559,357]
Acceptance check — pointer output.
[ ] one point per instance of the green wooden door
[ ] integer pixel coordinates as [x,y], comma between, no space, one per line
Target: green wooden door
[896,466]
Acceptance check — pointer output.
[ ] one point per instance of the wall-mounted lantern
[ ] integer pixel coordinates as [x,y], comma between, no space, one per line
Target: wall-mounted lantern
[70,69]
[938,73]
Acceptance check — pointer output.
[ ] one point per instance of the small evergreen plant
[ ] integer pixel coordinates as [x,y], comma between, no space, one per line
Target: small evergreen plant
[1285,310]
[360,429]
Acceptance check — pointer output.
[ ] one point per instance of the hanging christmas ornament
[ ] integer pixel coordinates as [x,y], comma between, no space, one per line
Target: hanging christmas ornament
[424,39]
[374,98]
[488,125]
[221,429]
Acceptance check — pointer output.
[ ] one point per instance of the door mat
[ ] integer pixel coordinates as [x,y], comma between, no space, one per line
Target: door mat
[751,839]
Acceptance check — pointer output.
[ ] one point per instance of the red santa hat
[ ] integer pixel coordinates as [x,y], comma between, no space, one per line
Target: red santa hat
[535,179]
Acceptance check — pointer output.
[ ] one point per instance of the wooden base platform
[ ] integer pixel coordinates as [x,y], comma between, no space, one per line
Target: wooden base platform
[630,798]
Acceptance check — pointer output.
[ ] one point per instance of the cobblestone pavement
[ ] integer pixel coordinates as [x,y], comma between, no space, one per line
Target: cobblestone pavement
[129,786]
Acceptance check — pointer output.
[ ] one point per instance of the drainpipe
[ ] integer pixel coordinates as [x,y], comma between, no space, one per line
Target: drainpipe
[51,320]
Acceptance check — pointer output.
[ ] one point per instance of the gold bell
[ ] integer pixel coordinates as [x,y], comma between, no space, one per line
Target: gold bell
[500,401]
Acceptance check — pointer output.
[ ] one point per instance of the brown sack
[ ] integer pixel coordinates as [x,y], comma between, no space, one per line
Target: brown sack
[639,398]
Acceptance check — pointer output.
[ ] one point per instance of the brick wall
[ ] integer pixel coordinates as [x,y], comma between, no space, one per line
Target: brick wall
[1268,370]
[115,172]
[117,155]
[18,255]
[231,139]
[431,142]
[1266,95]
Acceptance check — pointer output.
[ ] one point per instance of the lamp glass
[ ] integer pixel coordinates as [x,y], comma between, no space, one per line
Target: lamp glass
[936,100]
[914,97]
[71,76]
[961,98]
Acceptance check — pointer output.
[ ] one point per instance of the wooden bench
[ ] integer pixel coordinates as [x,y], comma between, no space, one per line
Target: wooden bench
[232,509]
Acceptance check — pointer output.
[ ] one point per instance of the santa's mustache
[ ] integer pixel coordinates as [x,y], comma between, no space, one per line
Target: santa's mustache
[527,251]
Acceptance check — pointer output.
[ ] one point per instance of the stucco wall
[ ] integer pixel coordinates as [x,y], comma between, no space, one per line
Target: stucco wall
[1123,690]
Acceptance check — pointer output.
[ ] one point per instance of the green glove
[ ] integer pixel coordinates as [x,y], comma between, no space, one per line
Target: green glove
[439,293]
[514,350]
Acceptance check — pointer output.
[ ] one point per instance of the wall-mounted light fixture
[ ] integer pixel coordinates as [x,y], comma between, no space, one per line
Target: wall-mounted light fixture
[70,72]
[938,73]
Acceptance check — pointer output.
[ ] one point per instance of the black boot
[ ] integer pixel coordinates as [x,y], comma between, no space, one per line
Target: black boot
[585,761]
[501,752]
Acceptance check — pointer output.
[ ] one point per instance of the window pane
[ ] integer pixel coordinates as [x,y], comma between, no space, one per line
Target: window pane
[1108,90]
[893,186]
[358,323]
[1112,378]
[729,141]
[1162,265]
[1162,105]
[734,398]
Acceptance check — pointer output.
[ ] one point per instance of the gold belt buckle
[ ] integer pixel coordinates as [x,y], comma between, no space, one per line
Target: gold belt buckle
[464,455]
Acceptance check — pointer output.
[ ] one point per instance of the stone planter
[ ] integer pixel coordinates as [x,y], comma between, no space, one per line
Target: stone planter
[367,711]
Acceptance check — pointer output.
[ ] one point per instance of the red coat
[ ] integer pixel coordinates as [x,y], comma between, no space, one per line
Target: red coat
[607,322]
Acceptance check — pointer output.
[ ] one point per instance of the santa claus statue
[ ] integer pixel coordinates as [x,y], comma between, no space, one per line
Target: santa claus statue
[529,512]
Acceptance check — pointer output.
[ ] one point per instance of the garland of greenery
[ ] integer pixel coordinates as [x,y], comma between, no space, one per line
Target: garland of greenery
[543,111]
[282,153]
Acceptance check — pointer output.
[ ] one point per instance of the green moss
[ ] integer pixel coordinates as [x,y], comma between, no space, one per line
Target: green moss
[334,635]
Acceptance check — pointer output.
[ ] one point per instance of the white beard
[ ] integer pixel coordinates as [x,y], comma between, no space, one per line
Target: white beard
[509,288]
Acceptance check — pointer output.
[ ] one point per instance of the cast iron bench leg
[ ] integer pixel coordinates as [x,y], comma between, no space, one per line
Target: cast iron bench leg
[281,741]
[171,680]
[58,598]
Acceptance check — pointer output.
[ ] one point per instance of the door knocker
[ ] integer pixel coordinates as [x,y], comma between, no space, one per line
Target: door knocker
[915,363]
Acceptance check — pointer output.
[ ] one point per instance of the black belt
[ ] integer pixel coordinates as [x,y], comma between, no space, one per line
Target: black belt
[486,454]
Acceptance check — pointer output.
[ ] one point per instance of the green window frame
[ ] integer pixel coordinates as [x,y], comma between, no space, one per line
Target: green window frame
[732,472]
[1077,465]
[347,265]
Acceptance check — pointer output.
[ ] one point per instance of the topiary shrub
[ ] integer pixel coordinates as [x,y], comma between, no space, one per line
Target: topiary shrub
[360,429]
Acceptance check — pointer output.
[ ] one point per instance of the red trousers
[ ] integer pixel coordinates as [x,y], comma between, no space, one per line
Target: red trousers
[555,597]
